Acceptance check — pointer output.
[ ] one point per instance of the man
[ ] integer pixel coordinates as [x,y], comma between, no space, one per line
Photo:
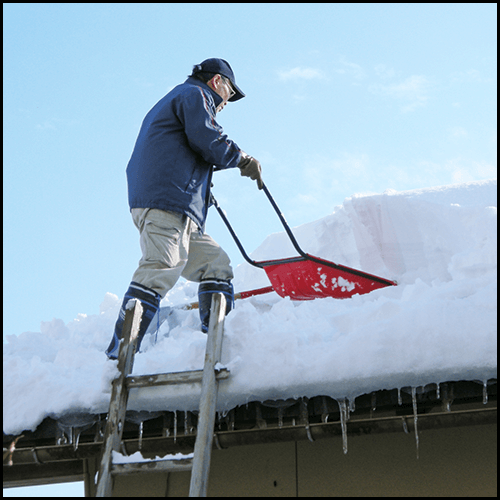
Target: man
[169,178]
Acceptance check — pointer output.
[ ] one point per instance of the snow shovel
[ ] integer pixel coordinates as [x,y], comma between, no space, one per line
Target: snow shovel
[307,277]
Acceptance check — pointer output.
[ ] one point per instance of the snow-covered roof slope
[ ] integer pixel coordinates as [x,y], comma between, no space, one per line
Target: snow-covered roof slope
[438,324]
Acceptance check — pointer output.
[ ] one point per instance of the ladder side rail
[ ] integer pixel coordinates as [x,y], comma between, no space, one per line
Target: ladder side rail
[119,398]
[208,400]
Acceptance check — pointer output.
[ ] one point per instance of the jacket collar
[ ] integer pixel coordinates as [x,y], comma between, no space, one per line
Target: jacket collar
[216,97]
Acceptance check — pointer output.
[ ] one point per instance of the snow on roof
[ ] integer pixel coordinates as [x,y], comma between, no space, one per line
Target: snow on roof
[438,324]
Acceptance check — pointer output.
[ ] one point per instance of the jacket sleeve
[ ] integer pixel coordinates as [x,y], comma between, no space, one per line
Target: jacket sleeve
[196,111]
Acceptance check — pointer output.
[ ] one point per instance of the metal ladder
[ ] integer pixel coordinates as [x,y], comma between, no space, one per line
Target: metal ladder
[209,377]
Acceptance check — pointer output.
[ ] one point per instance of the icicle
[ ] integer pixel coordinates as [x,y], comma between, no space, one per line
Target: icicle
[352,405]
[175,426]
[185,423]
[437,391]
[324,410]
[447,398]
[72,433]
[261,422]
[62,440]
[304,418]
[68,435]
[485,393]
[97,432]
[138,418]
[343,423]
[405,426]
[166,424]
[72,425]
[77,435]
[280,417]
[400,399]
[141,430]
[415,417]
[229,417]
[373,405]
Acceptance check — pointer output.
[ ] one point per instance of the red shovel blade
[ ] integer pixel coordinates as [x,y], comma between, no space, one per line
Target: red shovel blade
[303,279]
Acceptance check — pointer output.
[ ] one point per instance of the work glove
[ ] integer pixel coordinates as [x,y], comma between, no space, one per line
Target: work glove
[250,167]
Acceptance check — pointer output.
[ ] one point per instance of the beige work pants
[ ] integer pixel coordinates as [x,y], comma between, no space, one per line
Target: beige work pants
[173,247]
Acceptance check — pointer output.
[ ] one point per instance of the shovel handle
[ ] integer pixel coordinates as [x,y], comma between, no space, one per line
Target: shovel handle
[233,234]
[281,217]
[239,295]
[284,222]
[251,293]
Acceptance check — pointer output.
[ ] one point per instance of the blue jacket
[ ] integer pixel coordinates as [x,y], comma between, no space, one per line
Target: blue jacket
[175,153]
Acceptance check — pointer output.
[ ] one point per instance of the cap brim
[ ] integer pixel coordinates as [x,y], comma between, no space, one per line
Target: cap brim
[238,95]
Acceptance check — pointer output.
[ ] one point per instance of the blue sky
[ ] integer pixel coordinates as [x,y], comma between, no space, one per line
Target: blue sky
[341,99]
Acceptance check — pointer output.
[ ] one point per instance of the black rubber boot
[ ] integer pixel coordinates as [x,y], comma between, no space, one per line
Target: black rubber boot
[150,301]
[205,291]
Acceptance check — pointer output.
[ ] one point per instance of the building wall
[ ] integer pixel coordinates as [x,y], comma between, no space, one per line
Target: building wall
[460,461]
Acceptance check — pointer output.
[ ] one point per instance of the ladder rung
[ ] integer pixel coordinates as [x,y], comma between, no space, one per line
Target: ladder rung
[186,377]
[185,464]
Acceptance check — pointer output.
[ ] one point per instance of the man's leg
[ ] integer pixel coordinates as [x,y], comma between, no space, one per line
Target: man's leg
[164,240]
[209,265]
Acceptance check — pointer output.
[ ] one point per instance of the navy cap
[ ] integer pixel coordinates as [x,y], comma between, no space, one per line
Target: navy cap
[221,67]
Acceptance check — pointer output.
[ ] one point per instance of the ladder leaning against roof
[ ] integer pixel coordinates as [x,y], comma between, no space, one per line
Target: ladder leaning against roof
[200,463]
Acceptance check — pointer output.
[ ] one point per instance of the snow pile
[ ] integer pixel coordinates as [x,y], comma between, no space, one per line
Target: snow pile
[137,457]
[438,324]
